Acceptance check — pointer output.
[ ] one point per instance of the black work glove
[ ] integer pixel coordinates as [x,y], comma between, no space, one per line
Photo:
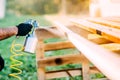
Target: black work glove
[23,29]
[1,63]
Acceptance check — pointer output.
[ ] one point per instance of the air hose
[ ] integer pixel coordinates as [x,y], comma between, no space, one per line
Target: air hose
[16,50]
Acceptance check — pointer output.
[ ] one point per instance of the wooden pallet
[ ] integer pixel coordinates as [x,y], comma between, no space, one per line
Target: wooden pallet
[100,46]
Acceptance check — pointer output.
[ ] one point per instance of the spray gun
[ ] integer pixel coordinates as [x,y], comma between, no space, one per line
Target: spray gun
[29,46]
[31,40]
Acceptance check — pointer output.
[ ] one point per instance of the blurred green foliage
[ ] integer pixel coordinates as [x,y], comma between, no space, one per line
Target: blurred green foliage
[46,6]
[77,6]
[33,6]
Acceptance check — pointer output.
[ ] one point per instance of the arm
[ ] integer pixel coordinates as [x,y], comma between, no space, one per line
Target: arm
[8,32]
[20,30]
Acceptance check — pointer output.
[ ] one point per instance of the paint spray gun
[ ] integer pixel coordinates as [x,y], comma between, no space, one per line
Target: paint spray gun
[31,40]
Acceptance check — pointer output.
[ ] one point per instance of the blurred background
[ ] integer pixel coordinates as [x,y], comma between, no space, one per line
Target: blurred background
[13,12]
[41,7]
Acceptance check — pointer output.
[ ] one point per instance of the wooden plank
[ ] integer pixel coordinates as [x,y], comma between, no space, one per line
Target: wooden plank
[98,39]
[40,55]
[60,60]
[48,32]
[96,54]
[109,33]
[86,34]
[113,19]
[104,22]
[66,59]
[85,69]
[58,45]
[115,47]
[73,72]
[94,70]
[92,37]
[101,79]
[63,74]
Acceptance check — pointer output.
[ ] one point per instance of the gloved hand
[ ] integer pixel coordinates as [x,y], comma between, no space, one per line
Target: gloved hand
[23,29]
[1,63]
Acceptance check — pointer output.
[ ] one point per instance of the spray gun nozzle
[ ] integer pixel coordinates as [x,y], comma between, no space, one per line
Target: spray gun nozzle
[36,24]
[32,22]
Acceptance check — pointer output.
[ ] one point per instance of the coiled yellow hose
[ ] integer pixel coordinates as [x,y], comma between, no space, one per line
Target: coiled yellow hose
[16,50]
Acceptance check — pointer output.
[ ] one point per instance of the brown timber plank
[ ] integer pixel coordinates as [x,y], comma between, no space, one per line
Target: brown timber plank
[85,69]
[40,55]
[97,55]
[73,72]
[115,47]
[109,33]
[48,32]
[88,35]
[104,22]
[58,45]
[60,60]
[113,19]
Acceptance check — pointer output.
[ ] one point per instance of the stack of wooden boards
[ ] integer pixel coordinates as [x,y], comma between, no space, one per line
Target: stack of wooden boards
[97,39]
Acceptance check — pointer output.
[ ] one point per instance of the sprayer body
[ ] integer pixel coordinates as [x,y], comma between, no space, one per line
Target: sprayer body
[30,44]
[31,40]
